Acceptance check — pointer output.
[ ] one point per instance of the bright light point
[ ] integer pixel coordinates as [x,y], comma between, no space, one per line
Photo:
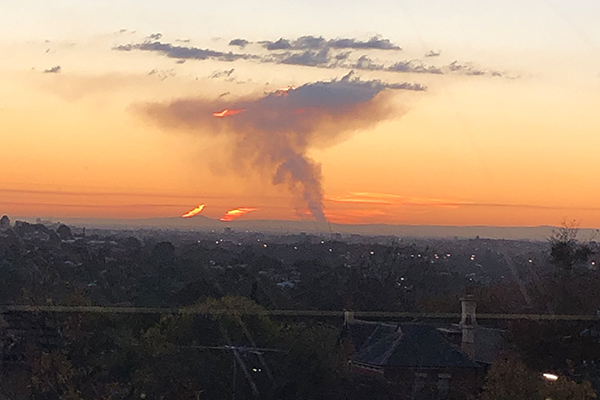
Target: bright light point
[551,377]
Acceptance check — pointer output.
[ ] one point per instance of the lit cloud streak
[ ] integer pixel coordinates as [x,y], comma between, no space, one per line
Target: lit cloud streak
[194,212]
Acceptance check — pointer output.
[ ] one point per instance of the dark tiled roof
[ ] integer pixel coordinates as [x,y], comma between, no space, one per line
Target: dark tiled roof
[488,344]
[412,345]
[360,332]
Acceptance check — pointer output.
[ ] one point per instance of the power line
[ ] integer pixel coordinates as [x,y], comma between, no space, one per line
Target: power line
[285,313]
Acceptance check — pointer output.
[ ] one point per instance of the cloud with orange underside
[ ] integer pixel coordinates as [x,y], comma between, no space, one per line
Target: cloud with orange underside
[236,213]
[194,212]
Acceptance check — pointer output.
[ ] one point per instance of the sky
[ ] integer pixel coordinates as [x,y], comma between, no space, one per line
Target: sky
[399,112]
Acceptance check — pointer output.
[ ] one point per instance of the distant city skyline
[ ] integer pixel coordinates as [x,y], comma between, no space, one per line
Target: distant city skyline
[461,113]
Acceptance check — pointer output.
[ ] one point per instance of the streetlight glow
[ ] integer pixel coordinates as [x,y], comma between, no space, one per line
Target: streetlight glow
[550,377]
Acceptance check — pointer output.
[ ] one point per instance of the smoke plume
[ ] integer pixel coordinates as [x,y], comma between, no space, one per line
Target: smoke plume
[273,134]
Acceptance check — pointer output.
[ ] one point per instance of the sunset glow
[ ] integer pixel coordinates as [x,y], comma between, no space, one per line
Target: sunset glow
[283,92]
[106,112]
[227,113]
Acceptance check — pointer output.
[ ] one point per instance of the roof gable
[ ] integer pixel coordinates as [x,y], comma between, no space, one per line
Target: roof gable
[412,345]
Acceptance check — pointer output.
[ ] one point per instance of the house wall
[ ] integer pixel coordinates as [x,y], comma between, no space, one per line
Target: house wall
[435,383]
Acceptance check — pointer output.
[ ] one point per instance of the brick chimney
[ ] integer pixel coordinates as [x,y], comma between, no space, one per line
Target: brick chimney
[468,323]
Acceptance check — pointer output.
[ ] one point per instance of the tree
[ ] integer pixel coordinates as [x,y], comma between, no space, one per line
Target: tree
[566,389]
[566,251]
[64,232]
[511,379]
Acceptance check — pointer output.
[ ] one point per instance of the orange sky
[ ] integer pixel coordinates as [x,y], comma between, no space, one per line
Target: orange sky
[471,150]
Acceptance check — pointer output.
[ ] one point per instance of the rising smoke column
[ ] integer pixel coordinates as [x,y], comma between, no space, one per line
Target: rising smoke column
[274,133]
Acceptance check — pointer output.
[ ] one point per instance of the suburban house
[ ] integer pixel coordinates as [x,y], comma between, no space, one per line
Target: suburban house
[425,361]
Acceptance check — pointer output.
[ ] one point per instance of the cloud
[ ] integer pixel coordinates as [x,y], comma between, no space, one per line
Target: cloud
[319,43]
[310,42]
[281,44]
[308,58]
[183,52]
[433,53]
[468,69]
[317,52]
[273,134]
[417,66]
[241,43]
[155,36]
[365,63]
[374,43]
[163,74]
[220,74]
[388,199]
[54,70]
[414,66]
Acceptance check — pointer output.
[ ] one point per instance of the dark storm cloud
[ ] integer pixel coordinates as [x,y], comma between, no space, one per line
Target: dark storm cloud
[54,70]
[184,52]
[274,133]
[241,43]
